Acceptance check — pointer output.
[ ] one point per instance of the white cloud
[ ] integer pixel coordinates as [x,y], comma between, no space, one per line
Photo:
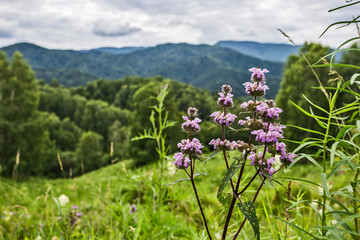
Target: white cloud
[111,29]
[85,23]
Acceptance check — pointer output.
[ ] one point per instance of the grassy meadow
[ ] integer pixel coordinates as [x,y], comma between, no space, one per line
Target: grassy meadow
[105,197]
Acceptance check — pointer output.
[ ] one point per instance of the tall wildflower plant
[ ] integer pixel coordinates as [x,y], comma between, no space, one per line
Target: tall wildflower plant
[262,151]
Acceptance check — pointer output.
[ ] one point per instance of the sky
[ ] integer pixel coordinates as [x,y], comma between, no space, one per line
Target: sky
[86,24]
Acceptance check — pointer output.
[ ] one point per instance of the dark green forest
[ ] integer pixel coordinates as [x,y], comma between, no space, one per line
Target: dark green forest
[40,121]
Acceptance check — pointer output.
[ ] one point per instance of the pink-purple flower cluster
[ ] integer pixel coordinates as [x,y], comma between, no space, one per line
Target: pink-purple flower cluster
[181,162]
[285,157]
[258,74]
[222,119]
[189,147]
[264,164]
[268,112]
[264,123]
[255,89]
[191,126]
[225,100]
[223,145]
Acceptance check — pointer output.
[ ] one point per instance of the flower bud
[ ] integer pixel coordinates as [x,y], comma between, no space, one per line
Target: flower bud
[192,112]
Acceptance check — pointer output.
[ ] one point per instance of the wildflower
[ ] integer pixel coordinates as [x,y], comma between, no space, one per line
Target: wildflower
[75,207]
[63,200]
[255,88]
[251,123]
[225,100]
[258,74]
[191,147]
[225,145]
[249,105]
[223,120]
[191,126]
[265,165]
[181,162]
[267,137]
[267,112]
[132,209]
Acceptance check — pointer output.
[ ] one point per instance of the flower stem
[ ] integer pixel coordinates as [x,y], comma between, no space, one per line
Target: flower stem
[202,212]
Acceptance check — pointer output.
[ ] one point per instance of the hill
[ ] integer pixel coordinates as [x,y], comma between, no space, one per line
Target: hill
[203,66]
[266,51]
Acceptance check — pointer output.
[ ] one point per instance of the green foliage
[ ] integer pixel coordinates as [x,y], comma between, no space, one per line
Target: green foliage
[249,211]
[89,152]
[22,126]
[297,81]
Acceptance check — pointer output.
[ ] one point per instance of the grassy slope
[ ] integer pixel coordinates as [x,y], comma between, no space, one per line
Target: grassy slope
[104,197]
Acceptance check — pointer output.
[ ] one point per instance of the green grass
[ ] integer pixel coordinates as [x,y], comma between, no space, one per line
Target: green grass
[28,209]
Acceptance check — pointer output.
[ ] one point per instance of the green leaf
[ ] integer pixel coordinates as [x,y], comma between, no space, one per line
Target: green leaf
[307,113]
[311,159]
[213,154]
[306,129]
[353,77]
[347,219]
[249,211]
[296,227]
[185,179]
[338,64]
[324,183]
[232,170]
[332,153]
[318,107]
[58,206]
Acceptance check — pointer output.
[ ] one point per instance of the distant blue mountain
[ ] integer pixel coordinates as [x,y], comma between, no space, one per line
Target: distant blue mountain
[113,50]
[266,51]
[202,65]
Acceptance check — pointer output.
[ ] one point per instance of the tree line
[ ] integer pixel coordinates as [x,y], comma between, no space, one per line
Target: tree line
[39,121]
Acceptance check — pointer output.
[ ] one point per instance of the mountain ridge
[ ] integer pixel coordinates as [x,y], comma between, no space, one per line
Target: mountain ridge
[203,65]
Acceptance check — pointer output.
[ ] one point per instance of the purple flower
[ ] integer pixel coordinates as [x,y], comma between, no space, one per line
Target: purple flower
[225,145]
[269,136]
[264,164]
[225,100]
[223,120]
[258,74]
[268,114]
[75,207]
[289,157]
[132,209]
[191,126]
[78,214]
[181,162]
[281,148]
[255,88]
[191,147]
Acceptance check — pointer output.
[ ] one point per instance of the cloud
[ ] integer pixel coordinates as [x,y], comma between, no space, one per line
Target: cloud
[94,23]
[7,28]
[106,29]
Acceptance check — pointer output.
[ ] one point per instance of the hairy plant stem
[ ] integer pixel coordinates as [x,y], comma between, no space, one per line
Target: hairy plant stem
[191,176]
[233,200]
[224,152]
[254,199]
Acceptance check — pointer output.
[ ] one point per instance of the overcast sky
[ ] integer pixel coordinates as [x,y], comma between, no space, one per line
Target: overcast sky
[85,24]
